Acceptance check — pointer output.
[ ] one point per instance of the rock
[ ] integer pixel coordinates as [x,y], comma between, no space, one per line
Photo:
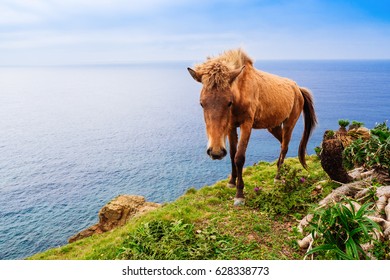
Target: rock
[117,213]
[333,145]
[356,174]
[332,160]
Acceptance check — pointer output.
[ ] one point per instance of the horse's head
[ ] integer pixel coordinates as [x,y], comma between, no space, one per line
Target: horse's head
[216,99]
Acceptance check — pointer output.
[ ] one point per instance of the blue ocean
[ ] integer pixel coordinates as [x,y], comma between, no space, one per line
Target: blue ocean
[72,138]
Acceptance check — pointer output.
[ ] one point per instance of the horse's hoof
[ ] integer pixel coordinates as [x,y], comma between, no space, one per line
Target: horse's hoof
[230,185]
[239,201]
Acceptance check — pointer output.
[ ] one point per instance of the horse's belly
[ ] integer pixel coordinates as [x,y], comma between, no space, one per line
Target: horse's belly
[267,122]
[270,117]
[273,111]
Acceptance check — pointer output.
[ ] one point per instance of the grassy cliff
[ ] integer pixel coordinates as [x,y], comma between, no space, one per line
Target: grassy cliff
[353,222]
[203,224]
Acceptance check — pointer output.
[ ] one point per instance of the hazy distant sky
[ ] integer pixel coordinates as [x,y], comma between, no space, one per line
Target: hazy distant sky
[115,31]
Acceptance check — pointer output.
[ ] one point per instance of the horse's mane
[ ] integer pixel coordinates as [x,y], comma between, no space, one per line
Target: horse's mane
[215,71]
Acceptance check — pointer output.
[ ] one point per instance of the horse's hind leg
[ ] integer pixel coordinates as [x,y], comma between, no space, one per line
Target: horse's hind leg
[278,133]
[288,127]
[286,137]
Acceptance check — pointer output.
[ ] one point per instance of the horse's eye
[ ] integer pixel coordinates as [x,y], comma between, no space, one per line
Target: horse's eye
[201,104]
[230,104]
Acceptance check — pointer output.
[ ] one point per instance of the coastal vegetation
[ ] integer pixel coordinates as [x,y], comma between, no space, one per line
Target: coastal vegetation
[203,224]
[353,221]
[305,214]
[371,153]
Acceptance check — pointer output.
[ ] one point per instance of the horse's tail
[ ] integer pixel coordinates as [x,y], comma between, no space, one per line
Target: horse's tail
[310,118]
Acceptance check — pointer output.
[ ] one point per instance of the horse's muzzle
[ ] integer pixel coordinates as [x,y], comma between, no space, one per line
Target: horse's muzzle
[216,155]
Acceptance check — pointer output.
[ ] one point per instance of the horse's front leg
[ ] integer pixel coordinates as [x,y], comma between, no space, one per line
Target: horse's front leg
[233,149]
[239,160]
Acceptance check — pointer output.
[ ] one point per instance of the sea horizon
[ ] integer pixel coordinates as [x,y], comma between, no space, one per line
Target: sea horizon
[190,61]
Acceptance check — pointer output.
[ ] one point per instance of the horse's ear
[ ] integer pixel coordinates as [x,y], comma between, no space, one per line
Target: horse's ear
[195,75]
[234,74]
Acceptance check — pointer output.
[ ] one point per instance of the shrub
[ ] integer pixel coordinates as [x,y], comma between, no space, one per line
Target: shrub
[340,231]
[169,240]
[356,124]
[329,134]
[343,123]
[318,151]
[372,153]
[292,193]
[382,131]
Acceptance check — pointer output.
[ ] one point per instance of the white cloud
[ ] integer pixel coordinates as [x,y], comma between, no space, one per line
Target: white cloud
[118,45]
[28,11]
[11,16]
[14,12]
[72,31]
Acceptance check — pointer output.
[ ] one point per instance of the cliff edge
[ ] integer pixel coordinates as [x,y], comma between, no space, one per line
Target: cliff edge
[117,213]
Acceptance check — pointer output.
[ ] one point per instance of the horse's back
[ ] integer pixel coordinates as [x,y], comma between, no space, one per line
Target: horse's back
[274,97]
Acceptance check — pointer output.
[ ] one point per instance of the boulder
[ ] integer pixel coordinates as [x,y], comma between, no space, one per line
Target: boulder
[332,157]
[117,213]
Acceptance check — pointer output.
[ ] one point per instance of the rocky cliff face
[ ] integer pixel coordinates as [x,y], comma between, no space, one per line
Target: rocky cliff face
[116,213]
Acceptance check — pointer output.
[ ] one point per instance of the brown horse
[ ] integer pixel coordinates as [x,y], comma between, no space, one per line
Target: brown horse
[235,94]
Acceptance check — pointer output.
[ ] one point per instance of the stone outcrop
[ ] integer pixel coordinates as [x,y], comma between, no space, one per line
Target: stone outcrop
[333,145]
[116,214]
[332,158]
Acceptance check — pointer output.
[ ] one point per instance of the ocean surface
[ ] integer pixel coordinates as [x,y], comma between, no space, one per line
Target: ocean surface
[72,138]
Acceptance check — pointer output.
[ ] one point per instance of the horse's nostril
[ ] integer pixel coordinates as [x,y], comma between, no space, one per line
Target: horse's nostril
[217,155]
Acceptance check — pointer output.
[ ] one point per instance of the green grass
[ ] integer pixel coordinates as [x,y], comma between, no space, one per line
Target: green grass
[203,224]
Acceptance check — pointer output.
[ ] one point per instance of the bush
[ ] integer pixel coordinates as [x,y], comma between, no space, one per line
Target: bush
[173,240]
[381,131]
[372,153]
[340,231]
[294,192]
[343,123]
[356,124]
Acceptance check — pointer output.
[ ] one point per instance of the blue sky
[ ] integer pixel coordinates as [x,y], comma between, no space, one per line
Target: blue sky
[117,31]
